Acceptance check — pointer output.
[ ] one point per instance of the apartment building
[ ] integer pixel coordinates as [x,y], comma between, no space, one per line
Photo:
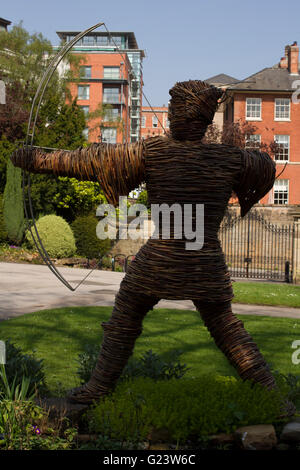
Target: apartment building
[269,99]
[110,83]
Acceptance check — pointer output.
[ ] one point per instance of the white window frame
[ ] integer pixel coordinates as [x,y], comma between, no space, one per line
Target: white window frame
[252,141]
[282,102]
[85,133]
[85,109]
[143,122]
[108,72]
[281,183]
[112,139]
[285,141]
[251,105]
[88,92]
[155,122]
[85,68]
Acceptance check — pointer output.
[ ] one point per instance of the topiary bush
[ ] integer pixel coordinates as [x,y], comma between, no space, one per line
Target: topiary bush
[185,408]
[56,236]
[87,242]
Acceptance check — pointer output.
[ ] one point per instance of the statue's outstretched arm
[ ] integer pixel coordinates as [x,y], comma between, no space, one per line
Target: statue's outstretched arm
[256,178]
[119,168]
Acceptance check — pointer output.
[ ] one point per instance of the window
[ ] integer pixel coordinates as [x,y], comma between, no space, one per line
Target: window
[282,153]
[154,121]
[111,72]
[281,191]
[85,109]
[253,142]
[85,133]
[143,121]
[109,135]
[111,95]
[102,40]
[282,109]
[88,40]
[111,114]
[253,108]
[83,92]
[167,123]
[85,71]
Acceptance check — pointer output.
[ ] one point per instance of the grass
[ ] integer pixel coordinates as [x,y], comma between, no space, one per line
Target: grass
[264,293]
[59,335]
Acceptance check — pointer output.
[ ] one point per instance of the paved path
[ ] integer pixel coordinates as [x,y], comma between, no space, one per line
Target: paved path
[26,288]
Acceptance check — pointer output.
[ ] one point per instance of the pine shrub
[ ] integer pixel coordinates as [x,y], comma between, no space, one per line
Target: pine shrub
[3,232]
[56,236]
[87,242]
[13,211]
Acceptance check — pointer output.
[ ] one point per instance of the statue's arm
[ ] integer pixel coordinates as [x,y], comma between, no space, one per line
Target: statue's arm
[119,168]
[255,179]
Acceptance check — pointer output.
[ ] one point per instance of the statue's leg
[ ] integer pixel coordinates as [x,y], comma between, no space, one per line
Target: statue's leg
[120,334]
[234,341]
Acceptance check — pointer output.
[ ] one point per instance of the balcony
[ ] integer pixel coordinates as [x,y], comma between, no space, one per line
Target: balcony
[113,99]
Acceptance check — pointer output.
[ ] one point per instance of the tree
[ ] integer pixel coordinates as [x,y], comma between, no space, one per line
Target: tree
[23,59]
[13,205]
[237,134]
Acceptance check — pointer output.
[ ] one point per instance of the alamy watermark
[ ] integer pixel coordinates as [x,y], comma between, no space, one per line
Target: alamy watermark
[2,353]
[2,92]
[296,94]
[296,354]
[178,221]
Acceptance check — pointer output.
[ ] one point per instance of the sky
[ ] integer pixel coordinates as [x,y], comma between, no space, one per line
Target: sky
[182,39]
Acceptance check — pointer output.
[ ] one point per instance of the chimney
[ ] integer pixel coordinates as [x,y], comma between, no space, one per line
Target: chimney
[283,64]
[292,55]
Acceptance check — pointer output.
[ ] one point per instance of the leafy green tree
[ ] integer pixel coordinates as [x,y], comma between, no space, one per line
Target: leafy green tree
[13,204]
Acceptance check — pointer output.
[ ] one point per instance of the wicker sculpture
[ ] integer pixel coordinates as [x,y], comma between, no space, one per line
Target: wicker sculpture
[177,169]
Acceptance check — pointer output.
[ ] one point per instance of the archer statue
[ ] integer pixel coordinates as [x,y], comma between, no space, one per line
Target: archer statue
[177,168]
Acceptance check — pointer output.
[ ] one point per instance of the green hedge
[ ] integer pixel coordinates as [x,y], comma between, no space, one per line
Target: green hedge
[87,242]
[185,408]
[56,236]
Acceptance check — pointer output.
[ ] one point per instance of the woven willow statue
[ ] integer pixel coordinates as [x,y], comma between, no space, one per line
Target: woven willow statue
[178,169]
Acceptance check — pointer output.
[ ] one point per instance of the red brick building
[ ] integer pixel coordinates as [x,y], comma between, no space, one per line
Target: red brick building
[111,82]
[154,121]
[269,100]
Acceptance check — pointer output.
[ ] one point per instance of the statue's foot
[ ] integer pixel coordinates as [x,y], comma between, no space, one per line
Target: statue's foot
[83,395]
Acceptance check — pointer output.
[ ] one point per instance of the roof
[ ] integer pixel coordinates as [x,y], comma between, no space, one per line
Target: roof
[221,79]
[269,79]
[5,22]
[132,43]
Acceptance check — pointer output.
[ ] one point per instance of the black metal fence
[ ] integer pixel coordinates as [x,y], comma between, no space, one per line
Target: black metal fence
[255,248]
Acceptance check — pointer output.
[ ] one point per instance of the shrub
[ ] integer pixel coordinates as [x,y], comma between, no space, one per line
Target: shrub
[56,236]
[13,211]
[3,232]
[87,242]
[185,408]
[19,365]
[148,365]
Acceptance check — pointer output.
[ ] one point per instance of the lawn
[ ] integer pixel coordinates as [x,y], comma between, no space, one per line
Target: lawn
[59,335]
[267,293]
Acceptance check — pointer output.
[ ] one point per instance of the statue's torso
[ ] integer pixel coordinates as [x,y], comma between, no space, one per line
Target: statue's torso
[187,173]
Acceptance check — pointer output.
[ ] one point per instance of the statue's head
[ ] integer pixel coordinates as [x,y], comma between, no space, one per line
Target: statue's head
[191,109]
